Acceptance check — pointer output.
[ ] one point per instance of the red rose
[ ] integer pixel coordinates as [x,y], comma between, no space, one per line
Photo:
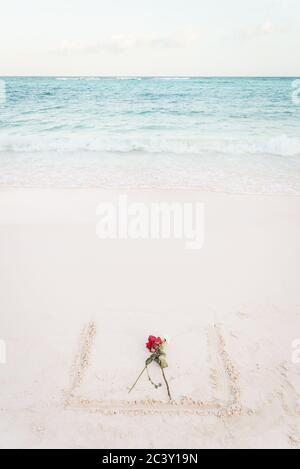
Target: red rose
[153,343]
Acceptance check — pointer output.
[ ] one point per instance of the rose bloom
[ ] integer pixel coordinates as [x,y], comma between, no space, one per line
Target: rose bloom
[153,343]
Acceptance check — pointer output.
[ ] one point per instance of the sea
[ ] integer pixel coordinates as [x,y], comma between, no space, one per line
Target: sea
[234,135]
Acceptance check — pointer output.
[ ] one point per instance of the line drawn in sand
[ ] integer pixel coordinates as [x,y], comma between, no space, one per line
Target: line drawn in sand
[224,375]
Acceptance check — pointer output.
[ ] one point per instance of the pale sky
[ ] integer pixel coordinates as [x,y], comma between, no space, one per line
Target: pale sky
[150,37]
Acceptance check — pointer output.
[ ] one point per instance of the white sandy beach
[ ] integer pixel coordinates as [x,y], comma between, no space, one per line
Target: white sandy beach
[76,312]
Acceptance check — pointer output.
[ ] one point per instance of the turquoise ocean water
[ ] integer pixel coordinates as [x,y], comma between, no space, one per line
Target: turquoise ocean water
[221,134]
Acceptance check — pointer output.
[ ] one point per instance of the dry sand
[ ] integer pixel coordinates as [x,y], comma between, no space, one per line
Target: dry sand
[76,311]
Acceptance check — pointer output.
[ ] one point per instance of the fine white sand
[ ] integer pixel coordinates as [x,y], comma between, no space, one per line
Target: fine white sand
[76,312]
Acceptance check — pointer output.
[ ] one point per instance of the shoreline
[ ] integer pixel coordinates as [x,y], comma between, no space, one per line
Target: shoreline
[128,189]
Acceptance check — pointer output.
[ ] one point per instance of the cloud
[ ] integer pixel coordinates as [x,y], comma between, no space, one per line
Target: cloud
[121,43]
[264,29]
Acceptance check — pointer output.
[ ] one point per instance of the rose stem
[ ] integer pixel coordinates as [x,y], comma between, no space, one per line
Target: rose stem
[137,380]
[149,377]
[167,384]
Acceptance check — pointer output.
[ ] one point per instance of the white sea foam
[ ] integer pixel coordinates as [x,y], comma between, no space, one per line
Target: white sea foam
[278,146]
[281,146]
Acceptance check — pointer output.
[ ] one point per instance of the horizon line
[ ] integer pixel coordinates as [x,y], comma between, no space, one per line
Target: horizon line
[149,76]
